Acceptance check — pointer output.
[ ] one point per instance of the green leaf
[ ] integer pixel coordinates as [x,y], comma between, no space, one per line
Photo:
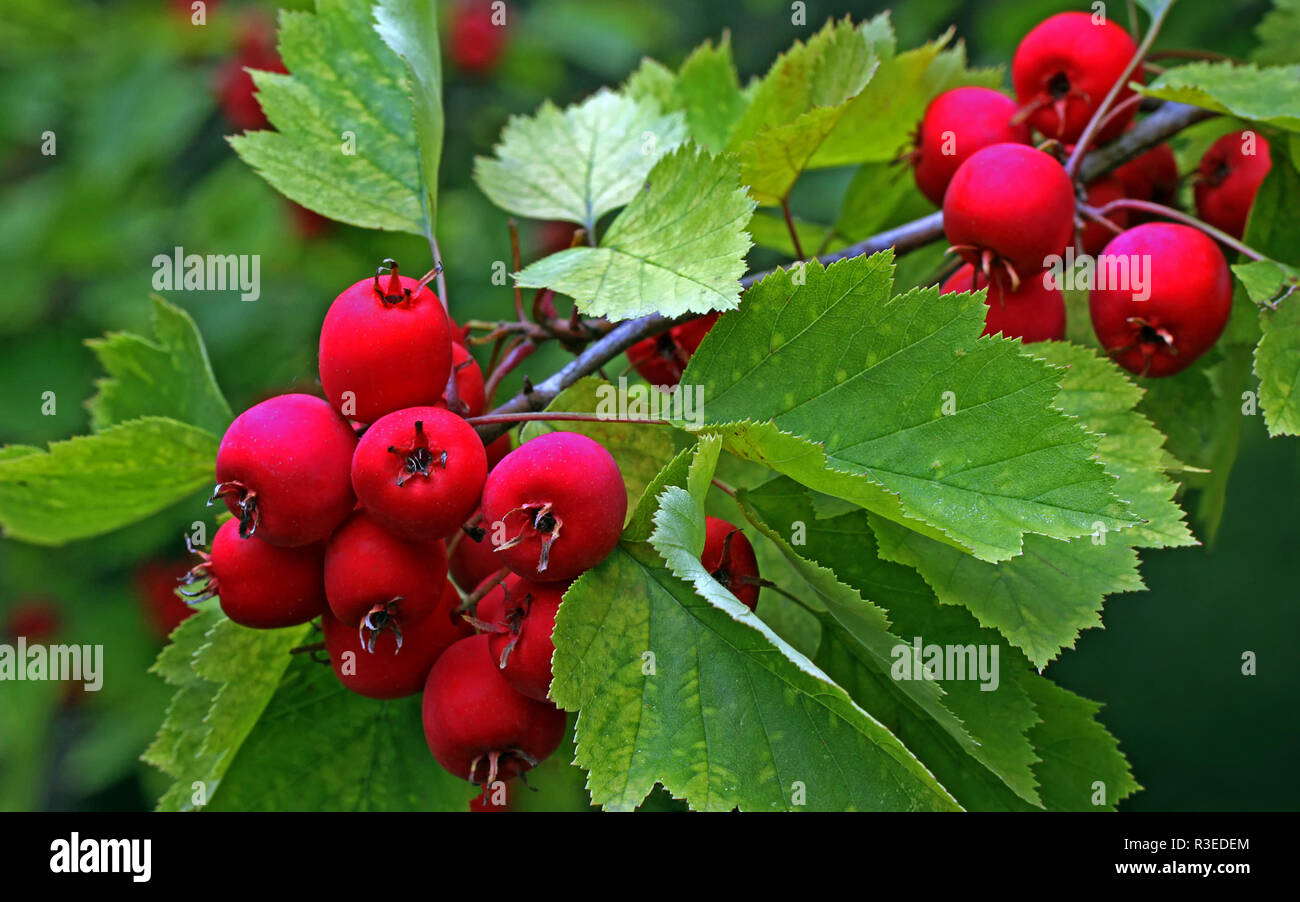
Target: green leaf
[837,558]
[344,144]
[410,29]
[639,450]
[1268,95]
[841,362]
[169,376]
[1277,364]
[1077,751]
[1279,34]
[706,90]
[679,247]
[579,163]
[1265,281]
[376,758]
[797,104]
[768,229]
[91,485]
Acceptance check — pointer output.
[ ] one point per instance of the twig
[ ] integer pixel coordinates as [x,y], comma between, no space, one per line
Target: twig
[1147,206]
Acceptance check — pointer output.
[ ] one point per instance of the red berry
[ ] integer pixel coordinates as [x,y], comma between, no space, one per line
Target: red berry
[497,449]
[488,801]
[283,469]
[1094,236]
[1064,68]
[156,582]
[1228,178]
[376,581]
[471,562]
[661,359]
[730,559]
[1008,208]
[384,671]
[477,726]
[1033,312]
[236,91]
[261,585]
[1190,298]
[523,617]
[956,124]
[554,506]
[37,619]
[1152,176]
[418,472]
[470,389]
[474,42]
[308,224]
[384,346]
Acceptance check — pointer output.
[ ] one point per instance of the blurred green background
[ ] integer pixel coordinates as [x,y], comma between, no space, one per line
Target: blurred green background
[141,167]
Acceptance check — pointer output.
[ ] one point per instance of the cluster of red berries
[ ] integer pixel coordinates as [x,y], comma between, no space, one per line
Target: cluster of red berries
[1009,209]
[344,508]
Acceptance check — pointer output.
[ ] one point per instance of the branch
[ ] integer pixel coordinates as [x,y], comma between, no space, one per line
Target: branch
[1166,121]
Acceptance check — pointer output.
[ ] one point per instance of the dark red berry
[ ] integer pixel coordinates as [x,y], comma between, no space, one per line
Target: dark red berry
[284,470]
[1094,236]
[730,559]
[1190,298]
[236,91]
[477,726]
[474,42]
[471,562]
[1152,176]
[1228,178]
[554,506]
[419,472]
[1063,70]
[385,345]
[1033,312]
[470,389]
[956,124]
[261,585]
[661,359]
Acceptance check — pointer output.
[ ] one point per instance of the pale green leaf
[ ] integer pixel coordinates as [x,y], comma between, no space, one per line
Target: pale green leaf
[1268,95]
[1277,364]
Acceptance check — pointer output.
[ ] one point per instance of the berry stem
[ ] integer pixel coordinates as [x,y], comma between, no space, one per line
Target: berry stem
[516,259]
[1178,216]
[441,271]
[518,353]
[1094,124]
[484,588]
[789,224]
[493,418]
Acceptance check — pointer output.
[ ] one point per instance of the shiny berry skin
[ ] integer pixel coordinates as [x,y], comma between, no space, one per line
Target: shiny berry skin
[730,559]
[375,580]
[470,388]
[1151,176]
[1228,178]
[419,472]
[956,124]
[387,672]
[1033,312]
[284,470]
[260,585]
[1190,299]
[554,506]
[1063,70]
[1094,236]
[523,615]
[474,43]
[661,359]
[1008,208]
[384,346]
[471,562]
[477,726]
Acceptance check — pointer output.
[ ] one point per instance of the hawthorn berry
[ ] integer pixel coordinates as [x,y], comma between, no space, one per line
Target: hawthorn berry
[471,394]
[283,469]
[1151,176]
[661,359]
[521,618]
[385,345]
[1094,236]
[375,581]
[474,42]
[37,619]
[381,669]
[497,449]
[418,472]
[1065,67]
[1033,312]
[730,560]
[554,506]
[477,726]
[1228,178]
[1190,299]
[955,125]
[471,562]
[260,585]
[1008,208]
